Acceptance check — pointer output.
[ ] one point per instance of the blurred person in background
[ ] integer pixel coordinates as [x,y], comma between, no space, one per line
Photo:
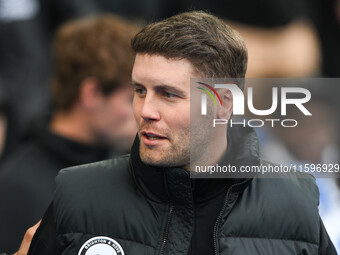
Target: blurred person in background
[92,96]
[27,28]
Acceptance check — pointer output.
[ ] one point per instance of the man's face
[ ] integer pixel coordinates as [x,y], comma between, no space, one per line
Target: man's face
[161,108]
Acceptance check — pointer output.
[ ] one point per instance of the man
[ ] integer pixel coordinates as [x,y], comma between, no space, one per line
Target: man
[92,96]
[146,203]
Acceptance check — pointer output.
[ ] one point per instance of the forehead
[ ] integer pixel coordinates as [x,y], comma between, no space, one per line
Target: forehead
[156,69]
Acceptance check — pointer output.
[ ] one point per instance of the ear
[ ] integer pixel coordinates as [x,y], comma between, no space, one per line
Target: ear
[225,110]
[89,93]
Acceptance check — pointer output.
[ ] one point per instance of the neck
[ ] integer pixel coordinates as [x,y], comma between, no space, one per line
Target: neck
[71,125]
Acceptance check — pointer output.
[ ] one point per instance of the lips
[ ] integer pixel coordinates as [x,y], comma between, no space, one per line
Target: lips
[152,139]
[152,135]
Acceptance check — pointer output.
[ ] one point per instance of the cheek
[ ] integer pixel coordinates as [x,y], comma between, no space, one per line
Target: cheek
[136,108]
[179,118]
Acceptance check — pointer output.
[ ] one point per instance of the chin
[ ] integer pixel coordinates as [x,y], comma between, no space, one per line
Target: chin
[149,160]
[154,161]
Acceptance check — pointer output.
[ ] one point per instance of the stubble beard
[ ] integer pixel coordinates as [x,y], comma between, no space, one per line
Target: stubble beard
[175,154]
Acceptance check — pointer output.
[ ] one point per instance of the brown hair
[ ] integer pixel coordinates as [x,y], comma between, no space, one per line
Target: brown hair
[213,48]
[96,47]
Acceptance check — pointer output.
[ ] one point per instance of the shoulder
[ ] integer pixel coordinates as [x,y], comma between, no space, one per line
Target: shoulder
[279,206]
[290,197]
[25,152]
[26,172]
[283,179]
[103,192]
[90,181]
[94,175]
[98,170]
[28,161]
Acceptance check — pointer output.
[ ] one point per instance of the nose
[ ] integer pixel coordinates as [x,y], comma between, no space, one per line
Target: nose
[150,109]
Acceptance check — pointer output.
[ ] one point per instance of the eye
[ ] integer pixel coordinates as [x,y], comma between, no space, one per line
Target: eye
[169,95]
[140,91]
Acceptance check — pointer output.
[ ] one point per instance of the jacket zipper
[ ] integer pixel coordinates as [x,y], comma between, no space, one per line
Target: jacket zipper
[220,215]
[165,239]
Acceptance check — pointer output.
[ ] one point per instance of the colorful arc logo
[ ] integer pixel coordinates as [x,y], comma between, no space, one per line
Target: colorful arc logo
[204,97]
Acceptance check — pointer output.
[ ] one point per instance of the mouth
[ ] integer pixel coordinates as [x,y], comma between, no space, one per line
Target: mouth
[152,138]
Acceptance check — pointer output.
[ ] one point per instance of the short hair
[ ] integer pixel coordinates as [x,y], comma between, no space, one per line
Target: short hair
[214,49]
[96,47]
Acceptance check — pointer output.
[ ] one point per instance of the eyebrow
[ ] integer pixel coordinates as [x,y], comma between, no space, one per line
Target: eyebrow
[179,92]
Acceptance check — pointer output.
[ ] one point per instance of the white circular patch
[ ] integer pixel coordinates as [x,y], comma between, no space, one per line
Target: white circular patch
[101,245]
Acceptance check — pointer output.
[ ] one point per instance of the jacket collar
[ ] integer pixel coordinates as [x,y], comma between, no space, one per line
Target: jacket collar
[175,185]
